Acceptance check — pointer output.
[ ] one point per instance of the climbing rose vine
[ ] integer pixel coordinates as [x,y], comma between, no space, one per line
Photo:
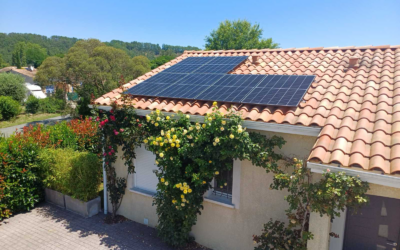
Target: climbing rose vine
[189,155]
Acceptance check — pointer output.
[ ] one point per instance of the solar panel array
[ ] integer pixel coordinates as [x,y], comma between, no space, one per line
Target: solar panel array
[205,78]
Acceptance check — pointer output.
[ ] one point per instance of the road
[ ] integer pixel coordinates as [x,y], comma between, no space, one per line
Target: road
[51,121]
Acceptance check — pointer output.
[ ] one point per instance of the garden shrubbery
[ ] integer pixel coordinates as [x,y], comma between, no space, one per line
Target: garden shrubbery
[13,86]
[46,105]
[21,177]
[70,172]
[9,108]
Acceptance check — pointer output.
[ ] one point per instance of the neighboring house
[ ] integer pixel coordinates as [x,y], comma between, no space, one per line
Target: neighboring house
[27,72]
[34,90]
[349,120]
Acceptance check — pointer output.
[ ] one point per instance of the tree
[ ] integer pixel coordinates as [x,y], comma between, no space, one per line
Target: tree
[13,86]
[238,34]
[141,65]
[52,72]
[35,54]
[18,55]
[2,62]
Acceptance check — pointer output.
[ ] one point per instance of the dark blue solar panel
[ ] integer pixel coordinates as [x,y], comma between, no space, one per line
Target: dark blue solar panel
[165,78]
[231,60]
[182,68]
[155,84]
[215,69]
[196,60]
[231,88]
[280,90]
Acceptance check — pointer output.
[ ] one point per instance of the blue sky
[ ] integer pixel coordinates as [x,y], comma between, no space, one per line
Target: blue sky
[290,23]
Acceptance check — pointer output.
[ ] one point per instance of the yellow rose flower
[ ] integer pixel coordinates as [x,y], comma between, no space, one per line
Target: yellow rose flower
[223,122]
[165,140]
[182,204]
[209,161]
[178,145]
[172,130]
[156,124]
[214,143]
[170,141]
[183,200]
[197,127]
[158,118]
[216,173]
[172,144]
[231,136]
[185,131]
[161,144]
[161,155]
[166,183]
[204,125]
[189,190]
[181,188]
[240,130]
[204,182]
[162,179]
[225,184]
[158,111]
[222,129]
[216,140]
[167,117]
[190,128]
[209,119]
[182,196]
[188,116]
[145,141]
[185,191]
[174,136]
[215,103]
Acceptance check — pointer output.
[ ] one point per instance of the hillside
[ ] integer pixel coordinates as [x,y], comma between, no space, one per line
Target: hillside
[59,45]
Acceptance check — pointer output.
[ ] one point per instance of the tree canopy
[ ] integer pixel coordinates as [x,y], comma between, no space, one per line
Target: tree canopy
[13,86]
[35,54]
[19,55]
[92,68]
[239,34]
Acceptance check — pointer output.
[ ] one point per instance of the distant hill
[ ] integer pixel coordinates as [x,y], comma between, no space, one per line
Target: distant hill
[59,45]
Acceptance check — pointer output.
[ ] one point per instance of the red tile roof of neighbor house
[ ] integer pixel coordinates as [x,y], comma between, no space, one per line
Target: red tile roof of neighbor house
[357,108]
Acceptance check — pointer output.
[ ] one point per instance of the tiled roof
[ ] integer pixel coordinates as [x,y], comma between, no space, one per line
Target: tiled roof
[357,108]
[23,71]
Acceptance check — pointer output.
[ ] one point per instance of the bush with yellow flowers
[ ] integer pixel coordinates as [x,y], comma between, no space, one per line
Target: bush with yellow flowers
[189,155]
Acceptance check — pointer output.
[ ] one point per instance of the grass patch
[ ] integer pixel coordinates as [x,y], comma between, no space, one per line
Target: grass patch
[24,118]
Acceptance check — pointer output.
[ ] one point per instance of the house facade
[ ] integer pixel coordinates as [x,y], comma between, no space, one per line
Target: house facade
[349,120]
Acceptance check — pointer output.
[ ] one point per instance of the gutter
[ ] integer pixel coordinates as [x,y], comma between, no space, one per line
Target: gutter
[371,177]
[256,125]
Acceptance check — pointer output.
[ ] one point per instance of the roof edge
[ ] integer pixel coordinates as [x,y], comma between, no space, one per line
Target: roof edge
[256,125]
[298,49]
[375,178]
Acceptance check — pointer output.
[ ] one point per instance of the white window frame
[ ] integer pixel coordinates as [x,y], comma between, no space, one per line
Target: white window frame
[132,181]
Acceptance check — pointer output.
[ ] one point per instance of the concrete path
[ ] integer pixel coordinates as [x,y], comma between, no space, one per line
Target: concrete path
[50,227]
[51,121]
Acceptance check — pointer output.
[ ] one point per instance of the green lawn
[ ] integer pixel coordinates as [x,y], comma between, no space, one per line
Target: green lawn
[24,118]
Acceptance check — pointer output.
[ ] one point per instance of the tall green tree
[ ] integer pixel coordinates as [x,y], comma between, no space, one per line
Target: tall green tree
[18,55]
[35,54]
[239,34]
[13,86]
[52,72]
[2,62]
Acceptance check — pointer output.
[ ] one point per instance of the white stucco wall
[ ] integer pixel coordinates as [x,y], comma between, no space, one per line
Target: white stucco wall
[220,227]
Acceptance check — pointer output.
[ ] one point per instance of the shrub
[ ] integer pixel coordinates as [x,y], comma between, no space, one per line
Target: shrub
[12,85]
[32,105]
[21,178]
[9,108]
[51,105]
[70,172]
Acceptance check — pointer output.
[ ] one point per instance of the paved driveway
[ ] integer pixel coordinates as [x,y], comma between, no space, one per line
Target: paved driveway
[51,121]
[50,227]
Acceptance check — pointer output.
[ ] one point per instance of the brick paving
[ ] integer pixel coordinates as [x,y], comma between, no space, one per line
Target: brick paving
[50,227]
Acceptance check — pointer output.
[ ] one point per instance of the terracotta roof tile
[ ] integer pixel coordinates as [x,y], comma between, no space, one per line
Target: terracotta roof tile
[357,108]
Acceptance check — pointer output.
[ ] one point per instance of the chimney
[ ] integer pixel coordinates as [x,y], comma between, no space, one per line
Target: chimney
[254,59]
[353,62]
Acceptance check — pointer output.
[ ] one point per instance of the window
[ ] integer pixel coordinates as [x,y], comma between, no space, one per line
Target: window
[226,186]
[223,184]
[144,178]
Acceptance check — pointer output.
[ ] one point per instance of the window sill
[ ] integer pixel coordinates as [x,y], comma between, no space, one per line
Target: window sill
[142,192]
[220,201]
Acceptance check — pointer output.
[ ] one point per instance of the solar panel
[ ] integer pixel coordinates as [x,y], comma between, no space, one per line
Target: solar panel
[206,78]
[279,90]
[190,86]
[230,88]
